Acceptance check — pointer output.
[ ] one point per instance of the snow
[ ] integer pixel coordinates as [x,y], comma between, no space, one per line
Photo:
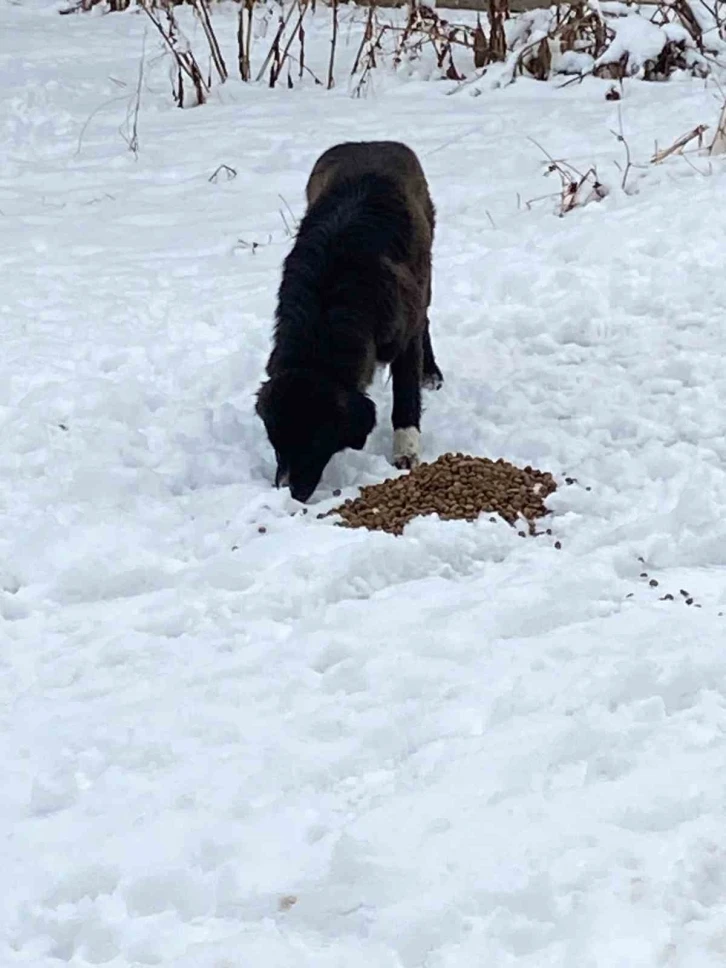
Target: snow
[637,38]
[235,734]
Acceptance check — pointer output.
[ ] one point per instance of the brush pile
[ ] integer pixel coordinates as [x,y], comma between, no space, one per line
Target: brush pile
[454,487]
[610,39]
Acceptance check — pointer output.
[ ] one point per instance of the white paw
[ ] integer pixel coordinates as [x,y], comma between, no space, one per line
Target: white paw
[406,447]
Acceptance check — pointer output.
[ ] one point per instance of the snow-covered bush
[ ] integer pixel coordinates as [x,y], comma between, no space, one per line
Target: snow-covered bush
[615,40]
[608,39]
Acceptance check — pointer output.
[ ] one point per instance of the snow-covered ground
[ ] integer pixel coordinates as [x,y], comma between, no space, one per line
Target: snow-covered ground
[308,747]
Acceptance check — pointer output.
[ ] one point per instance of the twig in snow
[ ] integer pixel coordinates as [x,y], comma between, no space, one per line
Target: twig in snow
[253,246]
[678,145]
[280,58]
[244,39]
[185,60]
[333,42]
[573,183]
[90,118]
[133,139]
[229,172]
[276,42]
[704,174]
[718,145]
[452,141]
[291,226]
[577,79]
[623,141]
[202,11]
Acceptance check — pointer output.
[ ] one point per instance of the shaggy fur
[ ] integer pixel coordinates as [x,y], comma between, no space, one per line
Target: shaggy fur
[355,292]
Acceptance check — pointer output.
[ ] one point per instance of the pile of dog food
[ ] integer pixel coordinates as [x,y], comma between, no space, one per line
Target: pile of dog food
[454,487]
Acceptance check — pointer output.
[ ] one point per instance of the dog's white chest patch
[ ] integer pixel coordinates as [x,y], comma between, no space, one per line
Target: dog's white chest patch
[406,446]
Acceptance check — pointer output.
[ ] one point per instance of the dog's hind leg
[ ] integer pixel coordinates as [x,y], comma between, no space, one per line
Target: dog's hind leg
[406,371]
[433,378]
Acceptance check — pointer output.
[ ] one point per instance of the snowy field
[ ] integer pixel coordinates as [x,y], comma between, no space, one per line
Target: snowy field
[308,747]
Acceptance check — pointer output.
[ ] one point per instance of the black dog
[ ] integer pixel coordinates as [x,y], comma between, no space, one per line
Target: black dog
[355,292]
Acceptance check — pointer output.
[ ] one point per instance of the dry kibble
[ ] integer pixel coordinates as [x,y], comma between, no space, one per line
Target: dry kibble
[454,487]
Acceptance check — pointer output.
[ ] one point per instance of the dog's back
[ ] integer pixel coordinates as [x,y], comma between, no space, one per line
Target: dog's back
[354,285]
[390,159]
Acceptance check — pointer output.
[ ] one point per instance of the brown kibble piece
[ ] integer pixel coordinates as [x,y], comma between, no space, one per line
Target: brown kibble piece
[262,529]
[653,583]
[455,487]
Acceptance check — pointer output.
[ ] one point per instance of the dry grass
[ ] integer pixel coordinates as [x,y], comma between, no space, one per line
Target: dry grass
[579,188]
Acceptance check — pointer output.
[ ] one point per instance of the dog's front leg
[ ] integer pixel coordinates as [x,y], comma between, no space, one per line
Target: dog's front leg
[406,371]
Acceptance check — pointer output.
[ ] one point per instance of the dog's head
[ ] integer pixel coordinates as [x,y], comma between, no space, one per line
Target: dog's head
[308,419]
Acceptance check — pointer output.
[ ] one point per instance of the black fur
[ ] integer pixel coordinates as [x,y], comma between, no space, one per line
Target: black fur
[355,290]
